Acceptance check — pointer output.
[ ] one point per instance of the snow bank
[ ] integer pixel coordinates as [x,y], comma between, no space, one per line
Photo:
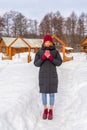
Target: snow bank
[18,95]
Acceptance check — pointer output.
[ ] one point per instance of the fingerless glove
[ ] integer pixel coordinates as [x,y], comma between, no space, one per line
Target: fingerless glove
[51,58]
[43,57]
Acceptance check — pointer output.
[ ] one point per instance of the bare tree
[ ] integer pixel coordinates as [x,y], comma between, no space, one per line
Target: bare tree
[58,24]
[7,24]
[68,26]
[73,18]
[81,25]
[20,25]
[86,24]
[33,27]
[45,26]
[14,23]
[1,26]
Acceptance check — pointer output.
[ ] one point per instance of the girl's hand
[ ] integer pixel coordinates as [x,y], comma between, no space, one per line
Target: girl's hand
[47,53]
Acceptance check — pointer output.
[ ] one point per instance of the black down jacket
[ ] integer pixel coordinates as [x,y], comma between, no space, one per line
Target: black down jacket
[48,77]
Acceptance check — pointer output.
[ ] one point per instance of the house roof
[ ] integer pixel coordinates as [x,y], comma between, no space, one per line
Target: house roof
[34,42]
[84,41]
[18,43]
[7,40]
[22,42]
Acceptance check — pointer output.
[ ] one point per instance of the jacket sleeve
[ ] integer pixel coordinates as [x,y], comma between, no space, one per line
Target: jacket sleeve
[57,61]
[38,61]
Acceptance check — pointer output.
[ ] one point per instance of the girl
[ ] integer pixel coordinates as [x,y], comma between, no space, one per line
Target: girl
[47,58]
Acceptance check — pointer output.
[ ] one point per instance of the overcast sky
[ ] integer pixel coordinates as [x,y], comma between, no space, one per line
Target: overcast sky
[37,9]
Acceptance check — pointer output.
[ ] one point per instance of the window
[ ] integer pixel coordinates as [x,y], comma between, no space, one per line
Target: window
[3,49]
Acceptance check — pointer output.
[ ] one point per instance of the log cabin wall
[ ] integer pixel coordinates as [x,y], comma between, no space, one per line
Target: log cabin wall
[2,46]
[84,45]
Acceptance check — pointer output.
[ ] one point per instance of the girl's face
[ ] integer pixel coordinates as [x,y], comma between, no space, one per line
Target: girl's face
[48,43]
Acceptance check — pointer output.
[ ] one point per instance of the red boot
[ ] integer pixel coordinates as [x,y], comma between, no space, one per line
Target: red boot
[50,114]
[45,113]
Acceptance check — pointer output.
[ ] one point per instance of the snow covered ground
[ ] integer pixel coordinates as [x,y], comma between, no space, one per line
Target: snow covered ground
[20,100]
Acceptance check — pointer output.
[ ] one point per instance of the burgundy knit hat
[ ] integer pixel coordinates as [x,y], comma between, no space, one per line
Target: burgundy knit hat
[47,38]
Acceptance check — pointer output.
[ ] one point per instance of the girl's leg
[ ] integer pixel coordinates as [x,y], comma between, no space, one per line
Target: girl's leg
[50,114]
[44,101]
[52,99]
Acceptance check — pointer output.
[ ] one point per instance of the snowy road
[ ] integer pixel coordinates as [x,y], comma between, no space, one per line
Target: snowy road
[20,101]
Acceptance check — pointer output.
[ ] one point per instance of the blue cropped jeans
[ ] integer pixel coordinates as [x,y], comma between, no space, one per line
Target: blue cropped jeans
[51,98]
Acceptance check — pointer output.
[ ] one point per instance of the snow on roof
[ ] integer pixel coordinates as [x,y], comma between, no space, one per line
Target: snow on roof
[8,40]
[69,48]
[20,43]
[34,42]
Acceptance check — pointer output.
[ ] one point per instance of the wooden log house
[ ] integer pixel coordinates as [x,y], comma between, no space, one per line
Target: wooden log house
[84,45]
[4,43]
[11,46]
[19,45]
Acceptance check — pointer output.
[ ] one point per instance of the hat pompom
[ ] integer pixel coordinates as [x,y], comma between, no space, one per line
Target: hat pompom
[48,38]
